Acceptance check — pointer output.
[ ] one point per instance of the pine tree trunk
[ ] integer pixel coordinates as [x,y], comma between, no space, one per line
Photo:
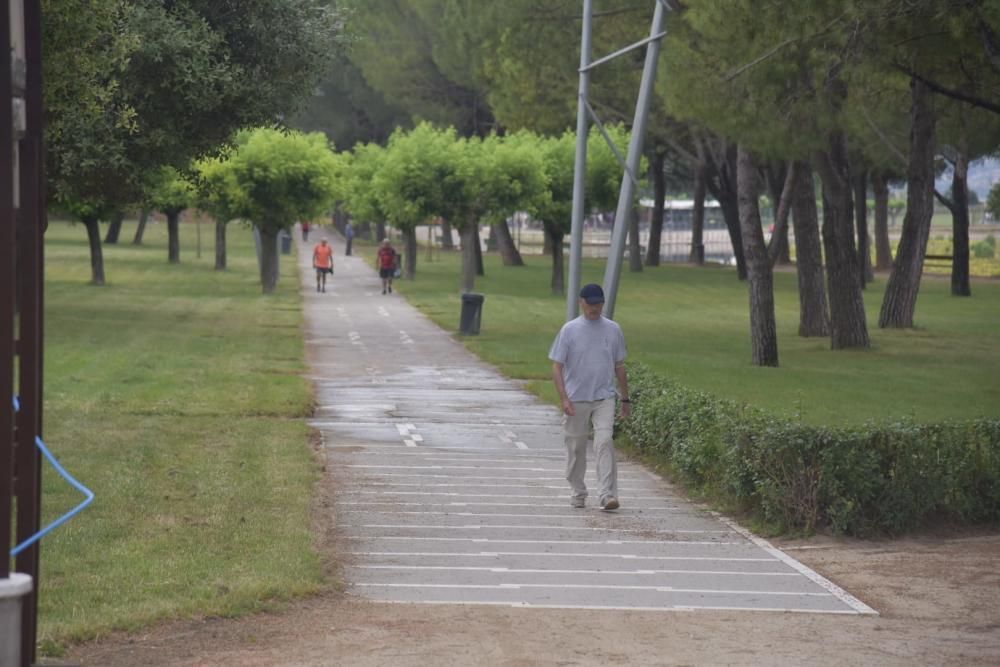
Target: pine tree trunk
[778,251]
[883,247]
[814,316]
[960,228]
[220,245]
[860,185]
[558,270]
[725,193]
[505,243]
[634,248]
[173,237]
[380,233]
[268,258]
[904,282]
[760,279]
[410,248]
[697,255]
[141,227]
[848,326]
[114,228]
[470,242]
[656,218]
[779,185]
[447,242]
[491,240]
[93,227]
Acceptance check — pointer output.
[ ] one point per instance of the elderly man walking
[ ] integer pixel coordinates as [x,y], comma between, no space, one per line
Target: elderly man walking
[588,355]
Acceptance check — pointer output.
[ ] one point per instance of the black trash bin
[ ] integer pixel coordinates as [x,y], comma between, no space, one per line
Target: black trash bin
[286,242]
[472,314]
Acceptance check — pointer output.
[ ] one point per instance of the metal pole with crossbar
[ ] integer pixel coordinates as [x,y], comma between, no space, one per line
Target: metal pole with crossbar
[630,165]
[580,166]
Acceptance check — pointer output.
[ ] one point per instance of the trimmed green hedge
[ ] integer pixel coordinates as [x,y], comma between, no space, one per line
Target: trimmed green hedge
[872,479]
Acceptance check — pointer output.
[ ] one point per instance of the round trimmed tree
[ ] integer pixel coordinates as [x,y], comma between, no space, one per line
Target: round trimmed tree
[284,177]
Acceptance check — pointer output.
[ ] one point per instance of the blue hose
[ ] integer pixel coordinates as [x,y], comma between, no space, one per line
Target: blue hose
[69,478]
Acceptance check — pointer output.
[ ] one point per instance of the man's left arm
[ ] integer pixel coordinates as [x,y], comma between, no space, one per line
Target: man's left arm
[626,398]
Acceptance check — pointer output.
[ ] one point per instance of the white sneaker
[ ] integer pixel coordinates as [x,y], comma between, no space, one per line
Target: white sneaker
[577,502]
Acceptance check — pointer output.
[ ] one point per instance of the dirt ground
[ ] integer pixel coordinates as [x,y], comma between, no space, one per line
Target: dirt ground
[938,598]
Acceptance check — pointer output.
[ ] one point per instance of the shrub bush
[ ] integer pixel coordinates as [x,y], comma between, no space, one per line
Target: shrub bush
[878,478]
[984,249]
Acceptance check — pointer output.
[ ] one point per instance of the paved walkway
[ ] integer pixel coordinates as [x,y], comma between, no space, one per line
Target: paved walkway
[453,487]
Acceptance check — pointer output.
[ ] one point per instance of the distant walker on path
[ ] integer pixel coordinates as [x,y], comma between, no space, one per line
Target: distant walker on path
[386,260]
[349,237]
[587,356]
[323,263]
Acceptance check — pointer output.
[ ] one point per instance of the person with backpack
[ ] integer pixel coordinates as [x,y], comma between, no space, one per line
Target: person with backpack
[386,262]
[323,263]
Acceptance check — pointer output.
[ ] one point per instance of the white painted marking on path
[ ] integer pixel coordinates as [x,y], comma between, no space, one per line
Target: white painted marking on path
[500,540]
[409,443]
[857,605]
[671,608]
[482,495]
[549,554]
[570,514]
[576,512]
[506,570]
[658,589]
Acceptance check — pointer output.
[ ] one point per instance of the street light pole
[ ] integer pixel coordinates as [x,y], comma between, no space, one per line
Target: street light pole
[580,166]
[612,272]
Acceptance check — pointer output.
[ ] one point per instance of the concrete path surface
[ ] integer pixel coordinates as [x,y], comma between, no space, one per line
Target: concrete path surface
[453,483]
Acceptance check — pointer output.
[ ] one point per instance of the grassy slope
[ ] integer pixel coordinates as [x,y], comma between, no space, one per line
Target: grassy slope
[175,393]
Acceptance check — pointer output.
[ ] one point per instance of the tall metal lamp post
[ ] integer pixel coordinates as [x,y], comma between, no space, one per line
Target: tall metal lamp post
[630,164]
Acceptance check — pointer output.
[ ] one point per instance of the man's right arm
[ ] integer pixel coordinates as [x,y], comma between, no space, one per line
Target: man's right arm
[557,377]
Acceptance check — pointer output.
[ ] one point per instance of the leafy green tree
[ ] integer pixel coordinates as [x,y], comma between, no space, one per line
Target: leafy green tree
[362,199]
[409,51]
[90,213]
[170,193]
[218,194]
[716,71]
[348,110]
[555,210]
[518,183]
[466,201]
[284,177]
[966,135]
[554,207]
[409,180]
[133,86]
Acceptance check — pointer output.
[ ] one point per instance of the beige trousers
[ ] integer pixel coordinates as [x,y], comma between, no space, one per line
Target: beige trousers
[577,432]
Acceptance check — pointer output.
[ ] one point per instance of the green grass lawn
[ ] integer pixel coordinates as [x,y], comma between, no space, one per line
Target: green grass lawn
[175,393]
[693,325]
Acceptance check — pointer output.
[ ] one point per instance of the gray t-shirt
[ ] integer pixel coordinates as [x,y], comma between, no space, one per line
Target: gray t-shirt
[589,350]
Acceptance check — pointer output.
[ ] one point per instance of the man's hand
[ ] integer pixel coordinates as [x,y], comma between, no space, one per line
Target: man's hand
[567,406]
[626,410]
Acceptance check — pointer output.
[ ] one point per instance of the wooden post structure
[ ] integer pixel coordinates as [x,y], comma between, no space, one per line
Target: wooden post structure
[22,225]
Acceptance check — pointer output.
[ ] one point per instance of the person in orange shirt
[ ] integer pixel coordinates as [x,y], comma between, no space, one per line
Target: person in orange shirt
[323,263]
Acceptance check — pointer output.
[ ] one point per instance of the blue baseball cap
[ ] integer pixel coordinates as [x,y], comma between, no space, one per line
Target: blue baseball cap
[592,293]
